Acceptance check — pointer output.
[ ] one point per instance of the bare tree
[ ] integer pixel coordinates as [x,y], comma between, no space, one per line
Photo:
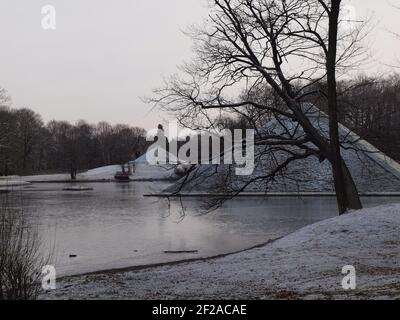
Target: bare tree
[4,105]
[28,133]
[127,143]
[287,46]
[7,122]
[104,133]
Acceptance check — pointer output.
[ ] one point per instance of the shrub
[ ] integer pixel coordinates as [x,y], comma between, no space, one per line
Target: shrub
[20,257]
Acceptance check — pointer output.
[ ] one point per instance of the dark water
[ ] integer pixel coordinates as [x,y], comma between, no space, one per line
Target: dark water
[114,226]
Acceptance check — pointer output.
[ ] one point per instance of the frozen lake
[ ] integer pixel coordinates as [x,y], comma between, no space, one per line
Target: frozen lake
[114,226]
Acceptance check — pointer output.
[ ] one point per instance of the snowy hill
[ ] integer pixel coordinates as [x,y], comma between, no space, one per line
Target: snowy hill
[143,172]
[103,173]
[372,171]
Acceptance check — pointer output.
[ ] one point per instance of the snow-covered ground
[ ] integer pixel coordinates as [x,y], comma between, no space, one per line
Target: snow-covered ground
[11,181]
[142,172]
[104,173]
[304,265]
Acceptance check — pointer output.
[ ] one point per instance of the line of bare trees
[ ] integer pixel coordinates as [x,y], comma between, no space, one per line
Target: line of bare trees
[28,146]
[370,106]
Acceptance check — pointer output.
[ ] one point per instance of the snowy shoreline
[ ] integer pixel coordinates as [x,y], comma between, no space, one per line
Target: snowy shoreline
[304,265]
[137,268]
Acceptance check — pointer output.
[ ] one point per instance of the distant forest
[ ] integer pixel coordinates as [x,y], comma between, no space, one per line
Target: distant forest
[29,146]
[368,106]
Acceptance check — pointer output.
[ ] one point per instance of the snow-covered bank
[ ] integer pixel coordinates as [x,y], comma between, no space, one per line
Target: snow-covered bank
[143,172]
[104,173]
[304,265]
[11,182]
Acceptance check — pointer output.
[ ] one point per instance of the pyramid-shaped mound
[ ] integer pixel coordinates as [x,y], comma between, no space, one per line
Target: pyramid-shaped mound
[373,172]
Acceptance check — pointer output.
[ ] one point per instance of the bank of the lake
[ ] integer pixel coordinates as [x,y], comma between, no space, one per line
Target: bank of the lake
[114,226]
[304,265]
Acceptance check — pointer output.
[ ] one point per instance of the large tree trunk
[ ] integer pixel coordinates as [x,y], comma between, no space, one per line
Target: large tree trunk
[352,197]
[346,191]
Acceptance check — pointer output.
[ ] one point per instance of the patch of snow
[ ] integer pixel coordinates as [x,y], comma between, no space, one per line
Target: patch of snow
[143,171]
[48,177]
[146,171]
[304,265]
[12,181]
[103,173]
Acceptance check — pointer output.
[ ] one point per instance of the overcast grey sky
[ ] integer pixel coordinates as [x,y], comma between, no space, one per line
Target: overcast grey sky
[105,55]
